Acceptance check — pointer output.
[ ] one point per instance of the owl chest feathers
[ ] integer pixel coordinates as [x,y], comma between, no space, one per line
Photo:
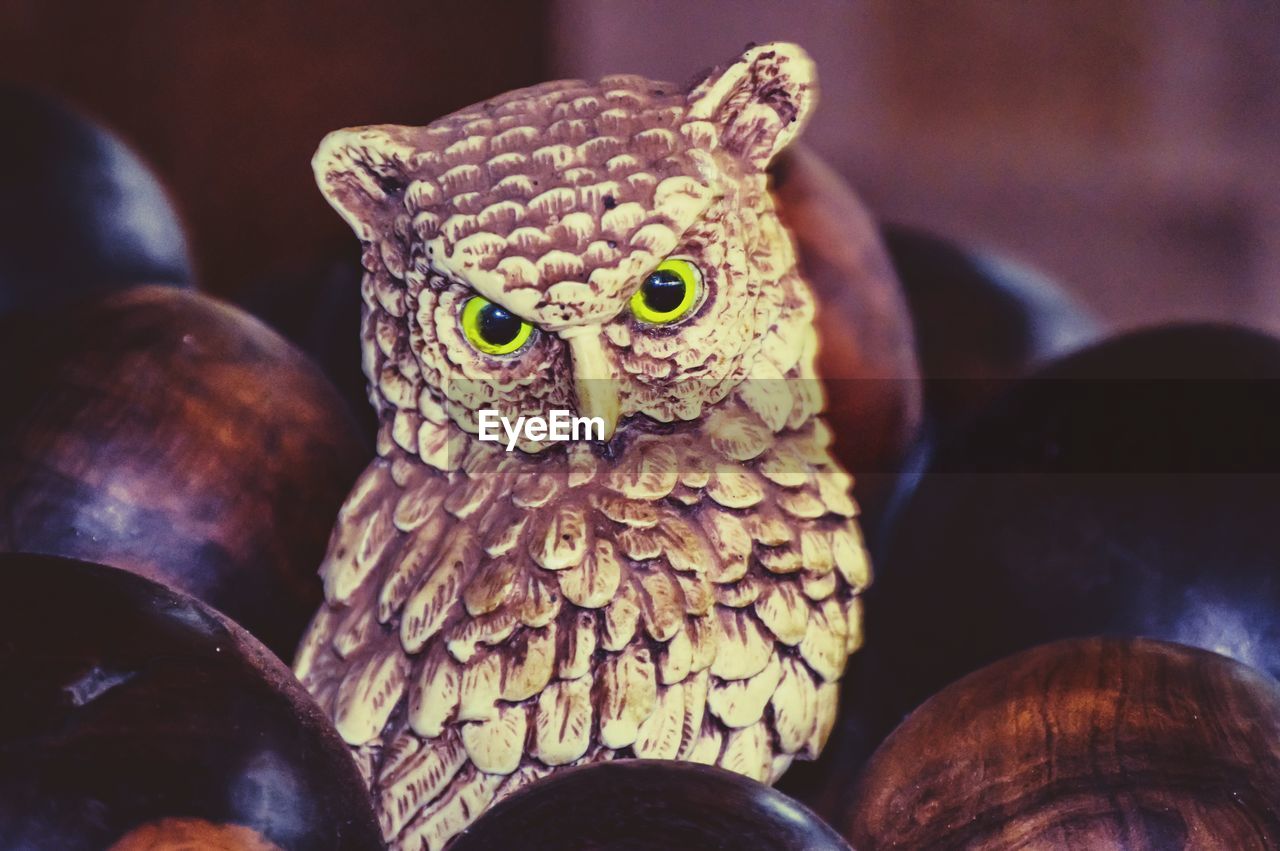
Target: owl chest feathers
[694,597]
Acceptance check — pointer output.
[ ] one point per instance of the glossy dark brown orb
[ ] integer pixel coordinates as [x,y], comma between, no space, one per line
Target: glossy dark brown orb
[981,321]
[1131,489]
[1094,744]
[164,432]
[648,805]
[80,211]
[866,352]
[126,703]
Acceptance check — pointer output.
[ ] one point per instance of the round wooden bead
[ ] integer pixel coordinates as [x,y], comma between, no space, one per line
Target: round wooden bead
[164,432]
[81,211]
[648,804]
[1089,743]
[1130,489]
[132,711]
[981,321]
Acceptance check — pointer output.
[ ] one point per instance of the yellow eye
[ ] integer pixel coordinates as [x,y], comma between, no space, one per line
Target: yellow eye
[493,329]
[668,293]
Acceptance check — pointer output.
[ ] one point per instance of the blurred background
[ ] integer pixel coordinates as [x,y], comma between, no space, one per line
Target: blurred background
[1130,149]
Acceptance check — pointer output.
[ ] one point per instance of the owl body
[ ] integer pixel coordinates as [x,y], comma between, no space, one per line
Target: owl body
[686,588]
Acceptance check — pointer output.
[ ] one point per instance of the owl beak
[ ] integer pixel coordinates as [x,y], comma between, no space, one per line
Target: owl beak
[593,382]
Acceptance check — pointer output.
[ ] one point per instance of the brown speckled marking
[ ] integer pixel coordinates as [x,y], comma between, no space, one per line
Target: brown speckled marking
[494,615]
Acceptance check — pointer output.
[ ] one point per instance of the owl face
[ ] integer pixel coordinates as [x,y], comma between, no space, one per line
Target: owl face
[609,248]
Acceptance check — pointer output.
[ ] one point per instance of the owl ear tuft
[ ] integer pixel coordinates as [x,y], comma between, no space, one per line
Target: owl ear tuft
[760,102]
[361,171]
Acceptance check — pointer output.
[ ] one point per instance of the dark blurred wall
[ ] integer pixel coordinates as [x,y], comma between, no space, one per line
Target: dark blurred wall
[228,99]
[1129,147]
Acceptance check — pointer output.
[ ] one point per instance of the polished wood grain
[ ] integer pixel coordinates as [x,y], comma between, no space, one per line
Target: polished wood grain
[1083,744]
[172,435]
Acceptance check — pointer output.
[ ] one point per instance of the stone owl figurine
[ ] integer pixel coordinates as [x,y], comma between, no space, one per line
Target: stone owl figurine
[682,586]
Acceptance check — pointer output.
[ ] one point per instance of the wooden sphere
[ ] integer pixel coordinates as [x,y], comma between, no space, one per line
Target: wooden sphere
[127,704]
[164,432]
[1131,489]
[866,349]
[981,321]
[80,210]
[648,805]
[1089,743]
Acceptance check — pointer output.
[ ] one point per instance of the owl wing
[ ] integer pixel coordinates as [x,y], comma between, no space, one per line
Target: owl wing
[693,599]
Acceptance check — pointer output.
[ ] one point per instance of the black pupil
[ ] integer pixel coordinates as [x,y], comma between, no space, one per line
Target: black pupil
[663,291]
[497,326]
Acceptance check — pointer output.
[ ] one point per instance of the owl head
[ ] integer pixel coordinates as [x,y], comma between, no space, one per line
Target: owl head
[605,248]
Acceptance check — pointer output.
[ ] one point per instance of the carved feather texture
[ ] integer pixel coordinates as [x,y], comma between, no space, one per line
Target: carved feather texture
[713,634]
[491,616]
